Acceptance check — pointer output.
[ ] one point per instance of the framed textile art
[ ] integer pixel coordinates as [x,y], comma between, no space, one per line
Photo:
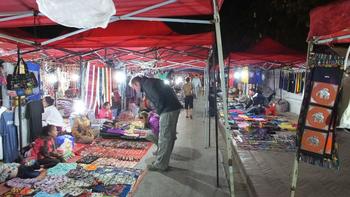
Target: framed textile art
[318,117]
[314,141]
[324,93]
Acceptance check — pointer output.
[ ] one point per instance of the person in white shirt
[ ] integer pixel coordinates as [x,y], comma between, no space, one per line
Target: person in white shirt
[196,83]
[51,115]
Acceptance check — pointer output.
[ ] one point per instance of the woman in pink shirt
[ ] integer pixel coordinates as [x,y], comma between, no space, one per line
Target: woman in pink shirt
[105,112]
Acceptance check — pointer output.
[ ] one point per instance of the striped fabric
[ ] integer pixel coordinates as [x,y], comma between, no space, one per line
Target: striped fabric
[98,83]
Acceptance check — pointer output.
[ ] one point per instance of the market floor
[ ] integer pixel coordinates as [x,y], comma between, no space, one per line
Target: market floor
[193,167]
[269,173]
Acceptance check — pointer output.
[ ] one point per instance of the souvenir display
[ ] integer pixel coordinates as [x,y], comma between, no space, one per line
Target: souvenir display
[318,117]
[316,127]
[324,93]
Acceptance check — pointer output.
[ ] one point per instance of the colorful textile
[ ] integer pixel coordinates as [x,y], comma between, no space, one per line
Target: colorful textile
[115,163]
[87,159]
[21,183]
[50,183]
[98,85]
[122,144]
[113,175]
[61,169]
[8,170]
[115,153]
[44,194]
[261,139]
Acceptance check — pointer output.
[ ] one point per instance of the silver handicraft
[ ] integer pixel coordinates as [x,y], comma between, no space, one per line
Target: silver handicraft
[318,117]
[314,140]
[324,94]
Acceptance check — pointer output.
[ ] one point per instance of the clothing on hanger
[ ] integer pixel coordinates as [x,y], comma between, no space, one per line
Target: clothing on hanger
[33,113]
[9,135]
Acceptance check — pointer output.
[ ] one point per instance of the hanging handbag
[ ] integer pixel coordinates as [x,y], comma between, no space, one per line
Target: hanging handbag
[22,83]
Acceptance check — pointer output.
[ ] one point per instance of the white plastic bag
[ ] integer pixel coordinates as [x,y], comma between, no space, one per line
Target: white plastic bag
[78,13]
[345,119]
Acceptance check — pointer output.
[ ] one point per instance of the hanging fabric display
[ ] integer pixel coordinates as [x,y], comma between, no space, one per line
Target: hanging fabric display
[97,85]
[231,79]
[317,119]
[292,81]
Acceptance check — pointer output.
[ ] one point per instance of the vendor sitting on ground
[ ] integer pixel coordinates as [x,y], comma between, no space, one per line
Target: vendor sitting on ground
[44,149]
[105,112]
[82,130]
[12,170]
[51,115]
[256,101]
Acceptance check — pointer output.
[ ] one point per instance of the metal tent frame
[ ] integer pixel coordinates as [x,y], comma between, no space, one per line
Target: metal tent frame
[131,16]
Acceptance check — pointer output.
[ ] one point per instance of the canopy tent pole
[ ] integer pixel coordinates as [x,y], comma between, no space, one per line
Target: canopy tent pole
[347,57]
[295,172]
[328,40]
[206,109]
[174,20]
[216,128]
[223,89]
[18,40]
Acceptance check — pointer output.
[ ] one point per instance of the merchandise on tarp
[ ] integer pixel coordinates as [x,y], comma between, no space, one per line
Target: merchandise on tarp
[78,13]
[316,133]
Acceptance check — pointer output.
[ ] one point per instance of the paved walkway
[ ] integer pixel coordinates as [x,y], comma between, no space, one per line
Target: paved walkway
[193,169]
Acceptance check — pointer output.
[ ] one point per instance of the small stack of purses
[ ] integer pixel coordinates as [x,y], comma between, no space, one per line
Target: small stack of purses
[316,127]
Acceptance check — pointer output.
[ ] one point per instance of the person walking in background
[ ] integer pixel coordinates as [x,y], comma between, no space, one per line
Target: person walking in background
[196,82]
[188,92]
[168,107]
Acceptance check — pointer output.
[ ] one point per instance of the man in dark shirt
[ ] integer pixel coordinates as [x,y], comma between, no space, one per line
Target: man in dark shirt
[168,107]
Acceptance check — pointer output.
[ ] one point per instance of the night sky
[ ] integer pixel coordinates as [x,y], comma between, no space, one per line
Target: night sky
[244,22]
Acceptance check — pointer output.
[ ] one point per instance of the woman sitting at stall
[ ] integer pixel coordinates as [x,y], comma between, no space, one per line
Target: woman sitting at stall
[44,149]
[82,130]
[105,112]
[51,115]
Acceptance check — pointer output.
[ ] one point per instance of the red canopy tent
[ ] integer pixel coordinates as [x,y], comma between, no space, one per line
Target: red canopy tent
[23,9]
[20,13]
[330,23]
[266,52]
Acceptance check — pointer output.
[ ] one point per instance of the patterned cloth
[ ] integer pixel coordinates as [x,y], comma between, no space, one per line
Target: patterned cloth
[8,170]
[115,163]
[112,175]
[61,169]
[21,183]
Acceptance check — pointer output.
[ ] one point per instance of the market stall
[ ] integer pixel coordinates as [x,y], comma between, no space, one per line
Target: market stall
[81,47]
